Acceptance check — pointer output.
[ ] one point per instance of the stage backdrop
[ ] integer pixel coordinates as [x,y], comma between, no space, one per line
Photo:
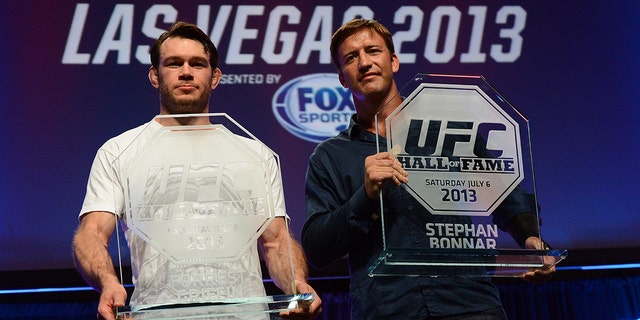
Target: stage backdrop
[74,73]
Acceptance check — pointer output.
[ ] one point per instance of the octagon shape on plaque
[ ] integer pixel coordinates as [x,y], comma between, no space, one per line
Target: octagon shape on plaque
[199,194]
[467,151]
[460,147]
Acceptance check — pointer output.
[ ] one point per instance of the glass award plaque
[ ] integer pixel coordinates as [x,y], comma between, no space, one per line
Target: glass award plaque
[467,152]
[196,199]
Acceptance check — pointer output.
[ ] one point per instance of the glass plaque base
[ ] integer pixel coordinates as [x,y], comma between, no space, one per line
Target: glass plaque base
[463,262]
[268,307]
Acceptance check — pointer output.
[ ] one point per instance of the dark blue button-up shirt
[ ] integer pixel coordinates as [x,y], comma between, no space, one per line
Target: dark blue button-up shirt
[342,220]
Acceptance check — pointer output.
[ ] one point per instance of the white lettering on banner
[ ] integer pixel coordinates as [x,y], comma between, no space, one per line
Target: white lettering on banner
[240,32]
[121,19]
[319,26]
[224,12]
[513,34]
[415,17]
[250,78]
[273,34]
[150,30]
[71,55]
[474,54]
[452,16]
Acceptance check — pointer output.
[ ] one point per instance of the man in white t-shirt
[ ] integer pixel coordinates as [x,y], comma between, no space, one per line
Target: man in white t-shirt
[184,70]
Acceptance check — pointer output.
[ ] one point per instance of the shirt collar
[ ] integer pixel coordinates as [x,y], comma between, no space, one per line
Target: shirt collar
[356,132]
[354,129]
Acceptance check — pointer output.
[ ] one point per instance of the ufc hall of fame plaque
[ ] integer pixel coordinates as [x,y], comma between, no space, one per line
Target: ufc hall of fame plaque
[196,200]
[467,152]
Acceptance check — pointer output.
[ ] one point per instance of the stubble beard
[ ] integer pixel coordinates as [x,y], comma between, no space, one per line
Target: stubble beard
[173,105]
[373,91]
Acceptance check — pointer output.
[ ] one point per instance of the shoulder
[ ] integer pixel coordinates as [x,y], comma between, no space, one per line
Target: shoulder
[257,146]
[332,145]
[117,144]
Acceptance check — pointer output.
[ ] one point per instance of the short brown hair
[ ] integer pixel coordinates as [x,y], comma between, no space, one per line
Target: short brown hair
[353,27]
[187,31]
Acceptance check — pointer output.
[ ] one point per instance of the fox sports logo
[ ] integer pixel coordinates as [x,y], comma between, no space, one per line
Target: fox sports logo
[313,107]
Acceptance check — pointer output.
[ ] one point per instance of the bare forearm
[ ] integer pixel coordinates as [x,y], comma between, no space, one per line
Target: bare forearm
[92,258]
[280,263]
[283,256]
[93,262]
[300,269]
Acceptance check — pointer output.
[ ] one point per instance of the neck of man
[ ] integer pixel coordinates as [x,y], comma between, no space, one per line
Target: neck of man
[367,111]
[182,120]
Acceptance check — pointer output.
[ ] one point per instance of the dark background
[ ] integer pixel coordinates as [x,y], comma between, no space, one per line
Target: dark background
[576,80]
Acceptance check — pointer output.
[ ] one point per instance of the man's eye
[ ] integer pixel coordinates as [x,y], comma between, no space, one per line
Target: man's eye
[197,63]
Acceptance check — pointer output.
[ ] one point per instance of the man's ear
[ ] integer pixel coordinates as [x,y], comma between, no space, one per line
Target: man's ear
[395,63]
[341,79]
[215,78]
[153,77]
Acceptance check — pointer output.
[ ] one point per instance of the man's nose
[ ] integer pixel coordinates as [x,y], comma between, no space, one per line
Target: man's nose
[364,61]
[186,70]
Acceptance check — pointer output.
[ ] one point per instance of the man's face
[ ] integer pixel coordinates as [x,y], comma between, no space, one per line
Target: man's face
[366,65]
[184,77]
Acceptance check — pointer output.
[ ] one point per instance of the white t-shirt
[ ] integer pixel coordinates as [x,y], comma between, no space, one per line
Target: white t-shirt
[156,278]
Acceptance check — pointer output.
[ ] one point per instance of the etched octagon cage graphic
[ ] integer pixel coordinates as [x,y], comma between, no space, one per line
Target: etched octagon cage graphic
[198,193]
[459,144]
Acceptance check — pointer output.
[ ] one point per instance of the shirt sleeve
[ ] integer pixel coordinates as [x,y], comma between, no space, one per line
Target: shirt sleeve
[276,184]
[338,211]
[104,192]
[518,215]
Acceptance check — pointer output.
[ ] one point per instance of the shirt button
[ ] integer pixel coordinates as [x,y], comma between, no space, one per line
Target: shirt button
[410,207]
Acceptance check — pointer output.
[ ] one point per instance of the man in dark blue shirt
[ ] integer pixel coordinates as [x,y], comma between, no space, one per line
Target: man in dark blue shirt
[344,180]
